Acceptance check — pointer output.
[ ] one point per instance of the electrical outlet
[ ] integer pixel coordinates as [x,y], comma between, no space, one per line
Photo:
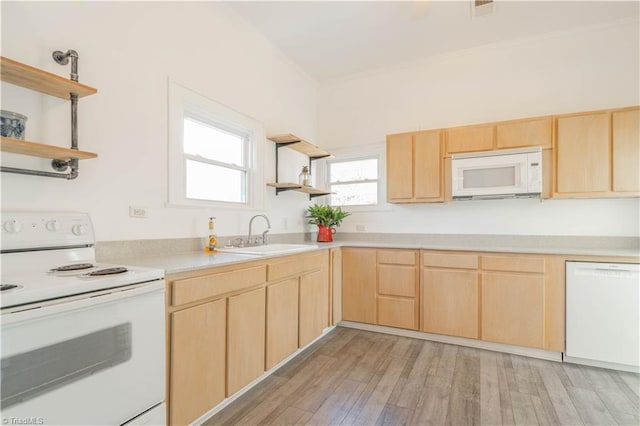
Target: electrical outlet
[361,228]
[285,223]
[141,212]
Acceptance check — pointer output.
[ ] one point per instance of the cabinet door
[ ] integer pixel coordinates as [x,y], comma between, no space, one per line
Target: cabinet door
[399,167]
[359,285]
[198,343]
[450,302]
[314,306]
[583,154]
[245,339]
[282,321]
[427,165]
[533,132]
[626,150]
[513,308]
[470,138]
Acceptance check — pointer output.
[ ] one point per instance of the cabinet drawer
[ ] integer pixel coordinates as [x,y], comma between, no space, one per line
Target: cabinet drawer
[513,264]
[400,313]
[294,266]
[397,280]
[446,260]
[397,257]
[193,289]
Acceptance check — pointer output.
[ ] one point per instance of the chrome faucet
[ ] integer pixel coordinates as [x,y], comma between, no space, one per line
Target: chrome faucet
[264,234]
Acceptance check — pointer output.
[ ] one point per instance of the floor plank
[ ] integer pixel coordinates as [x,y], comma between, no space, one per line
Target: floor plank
[590,407]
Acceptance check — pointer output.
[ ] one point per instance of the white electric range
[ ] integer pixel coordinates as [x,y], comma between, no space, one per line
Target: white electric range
[82,342]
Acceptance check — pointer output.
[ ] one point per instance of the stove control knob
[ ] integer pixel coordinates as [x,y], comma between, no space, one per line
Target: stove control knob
[79,229]
[12,226]
[53,226]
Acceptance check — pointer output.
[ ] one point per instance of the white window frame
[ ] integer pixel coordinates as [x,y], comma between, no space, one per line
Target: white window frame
[361,152]
[186,103]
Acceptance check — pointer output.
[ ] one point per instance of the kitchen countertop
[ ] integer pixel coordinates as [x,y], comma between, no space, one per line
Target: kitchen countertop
[567,246]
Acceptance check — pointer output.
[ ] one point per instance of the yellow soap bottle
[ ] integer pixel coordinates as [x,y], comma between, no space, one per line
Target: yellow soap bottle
[213,241]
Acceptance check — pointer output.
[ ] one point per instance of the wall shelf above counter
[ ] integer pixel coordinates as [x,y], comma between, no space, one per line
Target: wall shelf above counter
[298,144]
[65,160]
[34,149]
[302,146]
[290,186]
[29,77]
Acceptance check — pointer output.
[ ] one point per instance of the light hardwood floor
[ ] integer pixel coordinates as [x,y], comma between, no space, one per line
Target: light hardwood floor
[359,377]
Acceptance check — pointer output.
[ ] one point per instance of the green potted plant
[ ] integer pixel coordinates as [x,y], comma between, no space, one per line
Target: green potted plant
[326,218]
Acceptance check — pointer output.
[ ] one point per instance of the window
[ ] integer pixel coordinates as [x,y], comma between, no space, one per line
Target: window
[354,181]
[215,162]
[213,153]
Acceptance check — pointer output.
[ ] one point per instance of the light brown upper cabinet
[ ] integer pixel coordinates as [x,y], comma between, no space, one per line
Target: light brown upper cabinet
[598,153]
[582,157]
[414,167]
[470,138]
[626,150]
[522,133]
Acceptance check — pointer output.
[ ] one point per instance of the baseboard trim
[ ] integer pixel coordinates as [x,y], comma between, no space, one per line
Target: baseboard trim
[602,364]
[200,420]
[461,341]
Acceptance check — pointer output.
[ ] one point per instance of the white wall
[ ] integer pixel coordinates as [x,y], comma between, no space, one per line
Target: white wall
[588,69]
[128,51]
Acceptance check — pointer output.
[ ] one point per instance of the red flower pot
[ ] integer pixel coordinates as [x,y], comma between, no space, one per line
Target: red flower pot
[325,234]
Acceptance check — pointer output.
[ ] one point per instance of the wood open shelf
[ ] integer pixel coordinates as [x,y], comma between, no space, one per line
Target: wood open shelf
[42,81]
[298,144]
[35,149]
[289,186]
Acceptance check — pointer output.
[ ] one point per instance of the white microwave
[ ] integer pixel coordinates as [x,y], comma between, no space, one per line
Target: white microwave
[497,174]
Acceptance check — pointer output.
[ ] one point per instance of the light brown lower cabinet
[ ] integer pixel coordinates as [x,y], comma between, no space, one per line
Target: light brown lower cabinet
[359,285]
[523,300]
[282,321]
[228,324]
[516,299]
[450,294]
[245,339]
[380,287]
[198,355]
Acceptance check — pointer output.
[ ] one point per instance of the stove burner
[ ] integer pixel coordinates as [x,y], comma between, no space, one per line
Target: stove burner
[108,271]
[74,267]
[5,287]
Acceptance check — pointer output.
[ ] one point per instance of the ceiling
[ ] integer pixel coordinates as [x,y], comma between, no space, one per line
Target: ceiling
[330,39]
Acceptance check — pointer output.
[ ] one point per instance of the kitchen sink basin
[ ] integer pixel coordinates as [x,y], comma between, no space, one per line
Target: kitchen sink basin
[269,249]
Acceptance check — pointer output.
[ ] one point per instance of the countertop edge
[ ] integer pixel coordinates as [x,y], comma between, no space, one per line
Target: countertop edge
[195,261]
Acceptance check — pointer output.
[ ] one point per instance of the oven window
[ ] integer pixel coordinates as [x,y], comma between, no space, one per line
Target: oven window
[29,374]
[494,177]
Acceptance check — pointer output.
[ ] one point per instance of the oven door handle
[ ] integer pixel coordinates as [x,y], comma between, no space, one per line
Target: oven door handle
[83,301]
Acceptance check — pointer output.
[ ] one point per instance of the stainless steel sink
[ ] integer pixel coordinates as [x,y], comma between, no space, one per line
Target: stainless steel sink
[269,249]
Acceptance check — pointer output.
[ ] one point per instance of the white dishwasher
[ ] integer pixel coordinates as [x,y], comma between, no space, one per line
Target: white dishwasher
[603,315]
